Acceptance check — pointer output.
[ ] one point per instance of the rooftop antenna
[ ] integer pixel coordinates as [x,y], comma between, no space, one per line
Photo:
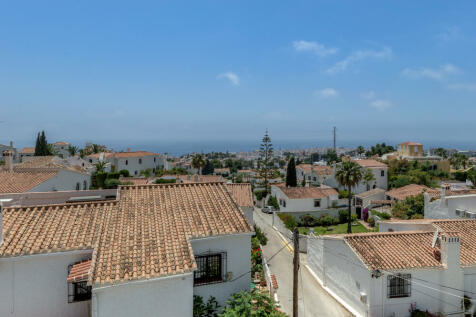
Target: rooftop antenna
[334,139]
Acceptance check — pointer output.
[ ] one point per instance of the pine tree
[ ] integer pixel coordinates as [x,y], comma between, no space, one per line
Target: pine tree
[266,163]
[208,169]
[291,180]
[38,146]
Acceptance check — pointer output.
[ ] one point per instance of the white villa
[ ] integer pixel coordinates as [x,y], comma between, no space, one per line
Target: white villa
[451,204]
[134,162]
[313,174]
[146,253]
[386,274]
[305,199]
[379,170]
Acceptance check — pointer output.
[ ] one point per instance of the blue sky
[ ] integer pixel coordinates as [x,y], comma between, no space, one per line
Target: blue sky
[218,71]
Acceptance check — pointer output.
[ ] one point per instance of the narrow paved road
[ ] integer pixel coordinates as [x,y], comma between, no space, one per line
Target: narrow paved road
[313,299]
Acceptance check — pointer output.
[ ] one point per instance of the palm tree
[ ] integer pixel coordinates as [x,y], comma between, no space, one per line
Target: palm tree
[348,175]
[73,150]
[368,177]
[100,166]
[360,150]
[198,162]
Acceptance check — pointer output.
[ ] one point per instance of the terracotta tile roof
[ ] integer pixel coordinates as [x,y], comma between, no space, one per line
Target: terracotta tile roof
[317,169]
[394,250]
[370,163]
[466,230]
[241,193]
[200,178]
[146,233]
[134,180]
[23,181]
[411,190]
[28,150]
[370,193]
[49,162]
[61,143]
[79,272]
[306,192]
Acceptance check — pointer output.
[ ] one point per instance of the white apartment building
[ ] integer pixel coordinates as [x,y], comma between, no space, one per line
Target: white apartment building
[134,162]
[146,253]
[386,274]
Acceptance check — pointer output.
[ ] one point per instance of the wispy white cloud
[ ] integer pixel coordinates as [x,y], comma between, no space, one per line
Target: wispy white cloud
[385,53]
[439,73]
[381,104]
[450,33]
[232,77]
[314,48]
[327,93]
[369,95]
[463,86]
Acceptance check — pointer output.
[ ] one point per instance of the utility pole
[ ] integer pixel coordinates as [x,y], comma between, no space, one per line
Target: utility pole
[296,272]
[335,139]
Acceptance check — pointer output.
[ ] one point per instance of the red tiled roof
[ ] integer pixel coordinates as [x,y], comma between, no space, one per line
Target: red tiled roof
[27,150]
[306,192]
[241,193]
[370,163]
[411,190]
[79,272]
[466,230]
[410,143]
[23,181]
[145,233]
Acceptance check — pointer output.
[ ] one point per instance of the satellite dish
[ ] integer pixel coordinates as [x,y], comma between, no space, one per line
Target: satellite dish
[435,238]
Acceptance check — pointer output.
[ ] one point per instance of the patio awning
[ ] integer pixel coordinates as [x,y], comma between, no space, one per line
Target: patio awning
[79,272]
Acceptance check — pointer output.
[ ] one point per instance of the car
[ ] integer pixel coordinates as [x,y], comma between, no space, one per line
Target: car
[268,209]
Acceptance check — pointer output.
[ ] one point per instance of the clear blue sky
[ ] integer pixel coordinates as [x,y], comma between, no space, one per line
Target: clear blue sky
[225,70]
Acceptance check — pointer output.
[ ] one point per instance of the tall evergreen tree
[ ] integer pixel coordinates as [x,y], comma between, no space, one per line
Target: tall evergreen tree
[208,169]
[291,180]
[38,146]
[44,144]
[266,163]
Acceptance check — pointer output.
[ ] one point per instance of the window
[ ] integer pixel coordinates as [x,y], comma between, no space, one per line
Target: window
[78,186]
[127,162]
[154,159]
[90,160]
[284,203]
[85,185]
[78,292]
[399,285]
[309,177]
[382,173]
[317,203]
[368,187]
[140,161]
[314,178]
[210,268]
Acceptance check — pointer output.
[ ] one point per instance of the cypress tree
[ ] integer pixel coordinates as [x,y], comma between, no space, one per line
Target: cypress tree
[37,145]
[208,169]
[291,180]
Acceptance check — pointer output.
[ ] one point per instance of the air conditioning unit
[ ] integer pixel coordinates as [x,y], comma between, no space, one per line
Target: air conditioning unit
[459,212]
[471,215]
[363,297]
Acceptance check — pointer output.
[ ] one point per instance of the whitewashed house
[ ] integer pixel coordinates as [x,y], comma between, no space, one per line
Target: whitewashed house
[147,253]
[305,199]
[134,162]
[61,148]
[378,169]
[386,274]
[313,174]
[26,152]
[451,204]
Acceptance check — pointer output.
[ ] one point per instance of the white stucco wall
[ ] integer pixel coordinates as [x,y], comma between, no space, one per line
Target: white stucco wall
[36,286]
[64,180]
[249,213]
[387,226]
[379,182]
[445,207]
[132,164]
[302,205]
[238,252]
[163,297]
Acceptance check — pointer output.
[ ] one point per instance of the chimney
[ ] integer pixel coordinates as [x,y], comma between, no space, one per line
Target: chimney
[1,223]
[11,144]
[450,251]
[8,160]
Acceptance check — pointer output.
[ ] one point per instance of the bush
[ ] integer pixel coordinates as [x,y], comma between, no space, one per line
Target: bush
[409,207]
[259,234]
[327,221]
[113,175]
[365,214]
[260,194]
[308,221]
[343,216]
[124,173]
[200,309]
[382,215]
[254,243]
[343,194]
[111,183]
[100,179]
[371,222]
[288,220]
[165,181]
[272,201]
[254,304]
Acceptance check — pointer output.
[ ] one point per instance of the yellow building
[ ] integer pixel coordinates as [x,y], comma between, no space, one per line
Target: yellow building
[410,149]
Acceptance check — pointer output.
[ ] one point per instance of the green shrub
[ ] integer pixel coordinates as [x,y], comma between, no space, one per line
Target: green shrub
[200,309]
[254,243]
[288,220]
[259,234]
[327,221]
[260,194]
[124,173]
[308,221]
[100,179]
[382,215]
[371,221]
[113,175]
[111,183]
[272,201]
[343,194]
